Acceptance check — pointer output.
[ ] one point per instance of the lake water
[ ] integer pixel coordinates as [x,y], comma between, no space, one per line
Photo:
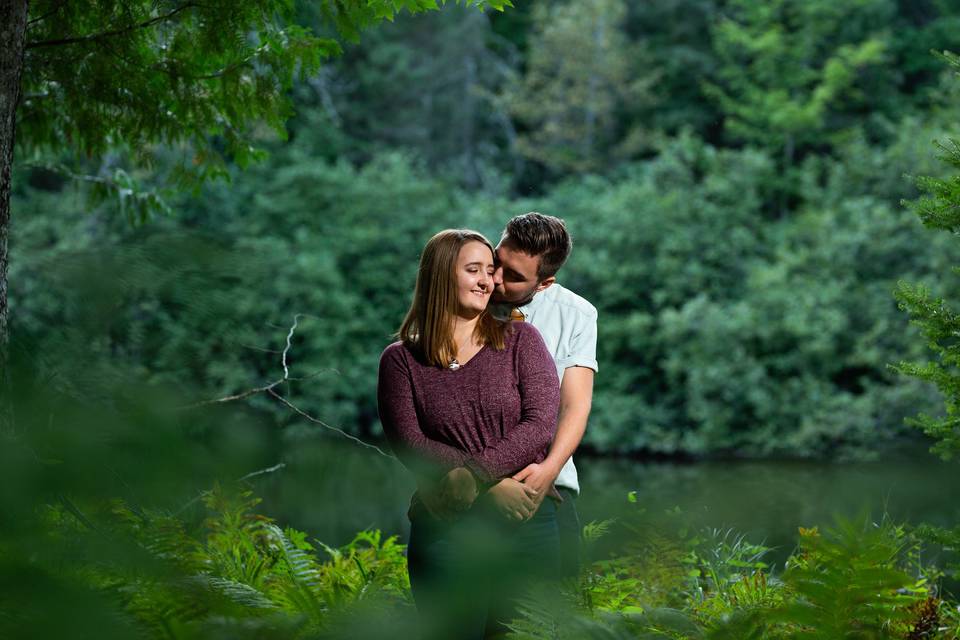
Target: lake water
[331,490]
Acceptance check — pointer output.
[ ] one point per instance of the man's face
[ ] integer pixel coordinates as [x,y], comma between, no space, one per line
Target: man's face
[515,279]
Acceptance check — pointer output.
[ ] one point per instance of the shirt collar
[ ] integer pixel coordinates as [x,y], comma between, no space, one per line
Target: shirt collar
[538,298]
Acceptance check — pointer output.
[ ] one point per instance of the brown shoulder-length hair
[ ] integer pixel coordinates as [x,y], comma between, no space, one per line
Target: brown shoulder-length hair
[428,326]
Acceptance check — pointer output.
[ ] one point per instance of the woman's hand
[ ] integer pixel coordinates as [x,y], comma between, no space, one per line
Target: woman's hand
[514,500]
[454,493]
[460,488]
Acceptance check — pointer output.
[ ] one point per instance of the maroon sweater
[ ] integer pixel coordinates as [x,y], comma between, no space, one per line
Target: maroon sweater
[494,415]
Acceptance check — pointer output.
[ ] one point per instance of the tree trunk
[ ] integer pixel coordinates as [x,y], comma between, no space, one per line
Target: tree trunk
[593,88]
[13,32]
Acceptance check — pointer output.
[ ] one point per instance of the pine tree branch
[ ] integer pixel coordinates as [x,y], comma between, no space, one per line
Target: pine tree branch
[93,37]
[233,66]
[55,9]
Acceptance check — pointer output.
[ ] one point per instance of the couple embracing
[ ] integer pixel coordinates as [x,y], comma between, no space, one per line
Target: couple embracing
[484,399]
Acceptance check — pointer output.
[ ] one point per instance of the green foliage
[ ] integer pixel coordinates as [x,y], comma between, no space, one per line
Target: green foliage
[196,75]
[856,580]
[426,84]
[742,335]
[734,319]
[671,32]
[179,89]
[790,70]
[238,572]
[947,539]
[352,18]
[581,75]
[723,564]
[217,567]
[728,332]
[850,583]
[938,208]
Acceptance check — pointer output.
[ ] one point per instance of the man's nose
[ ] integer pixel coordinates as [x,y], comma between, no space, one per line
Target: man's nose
[498,276]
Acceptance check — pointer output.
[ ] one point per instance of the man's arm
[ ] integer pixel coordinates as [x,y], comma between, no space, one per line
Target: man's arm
[576,397]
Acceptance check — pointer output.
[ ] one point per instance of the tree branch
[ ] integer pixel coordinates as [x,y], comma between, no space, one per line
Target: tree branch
[55,9]
[327,426]
[261,472]
[270,389]
[238,396]
[233,66]
[253,474]
[93,37]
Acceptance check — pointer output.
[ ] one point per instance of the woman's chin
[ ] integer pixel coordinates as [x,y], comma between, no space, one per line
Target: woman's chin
[472,311]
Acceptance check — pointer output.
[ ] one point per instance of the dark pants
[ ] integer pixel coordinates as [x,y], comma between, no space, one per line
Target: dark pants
[466,575]
[568,523]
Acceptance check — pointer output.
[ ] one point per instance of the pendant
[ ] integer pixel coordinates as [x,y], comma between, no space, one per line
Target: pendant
[454,365]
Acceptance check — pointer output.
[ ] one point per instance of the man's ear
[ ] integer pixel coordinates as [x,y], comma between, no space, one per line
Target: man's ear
[545,283]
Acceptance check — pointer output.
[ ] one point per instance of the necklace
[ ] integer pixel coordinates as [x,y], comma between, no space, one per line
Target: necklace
[454,365]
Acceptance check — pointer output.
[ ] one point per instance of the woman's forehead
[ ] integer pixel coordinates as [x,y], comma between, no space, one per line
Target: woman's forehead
[475,251]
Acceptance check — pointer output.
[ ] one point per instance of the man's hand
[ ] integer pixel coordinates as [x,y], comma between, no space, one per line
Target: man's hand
[515,501]
[454,493]
[539,477]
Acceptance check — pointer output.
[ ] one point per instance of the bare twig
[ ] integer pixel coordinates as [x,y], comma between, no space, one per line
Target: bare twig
[277,467]
[253,474]
[313,375]
[250,346]
[283,357]
[327,426]
[271,390]
[238,396]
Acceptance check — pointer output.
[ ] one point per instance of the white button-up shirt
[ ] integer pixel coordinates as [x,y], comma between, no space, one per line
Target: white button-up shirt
[568,324]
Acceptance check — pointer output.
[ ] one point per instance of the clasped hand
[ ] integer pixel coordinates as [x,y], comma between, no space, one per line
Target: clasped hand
[455,492]
[516,498]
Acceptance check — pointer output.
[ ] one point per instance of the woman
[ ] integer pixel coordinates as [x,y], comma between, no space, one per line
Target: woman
[466,400]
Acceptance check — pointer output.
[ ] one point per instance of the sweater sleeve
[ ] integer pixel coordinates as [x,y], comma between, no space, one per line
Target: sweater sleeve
[539,404]
[425,457]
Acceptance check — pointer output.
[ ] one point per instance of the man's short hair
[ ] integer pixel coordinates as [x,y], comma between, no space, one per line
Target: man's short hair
[543,236]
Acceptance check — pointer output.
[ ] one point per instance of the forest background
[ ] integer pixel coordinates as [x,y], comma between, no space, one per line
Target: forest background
[731,172]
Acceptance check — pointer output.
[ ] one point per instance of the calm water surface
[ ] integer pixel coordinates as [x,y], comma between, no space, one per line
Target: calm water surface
[331,490]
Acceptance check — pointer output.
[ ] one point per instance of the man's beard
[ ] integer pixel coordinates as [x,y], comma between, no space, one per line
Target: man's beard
[518,303]
[526,300]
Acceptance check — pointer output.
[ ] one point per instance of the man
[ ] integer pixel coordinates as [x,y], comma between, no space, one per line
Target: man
[531,250]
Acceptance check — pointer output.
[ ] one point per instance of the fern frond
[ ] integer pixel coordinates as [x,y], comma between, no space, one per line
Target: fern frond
[237,592]
[296,586]
[593,531]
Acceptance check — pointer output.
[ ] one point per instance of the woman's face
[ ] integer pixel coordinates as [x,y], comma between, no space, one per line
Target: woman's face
[474,277]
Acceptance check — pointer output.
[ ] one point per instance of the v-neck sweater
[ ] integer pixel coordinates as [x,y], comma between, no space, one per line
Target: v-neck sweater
[495,414]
